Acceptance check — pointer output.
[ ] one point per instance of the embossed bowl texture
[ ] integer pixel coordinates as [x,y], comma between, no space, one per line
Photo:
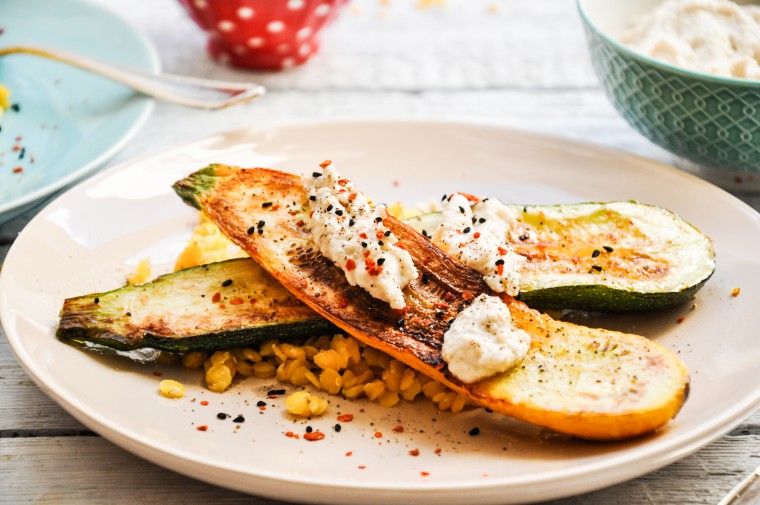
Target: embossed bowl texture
[708,120]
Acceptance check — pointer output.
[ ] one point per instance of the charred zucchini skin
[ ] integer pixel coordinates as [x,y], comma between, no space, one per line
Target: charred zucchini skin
[177,312]
[557,275]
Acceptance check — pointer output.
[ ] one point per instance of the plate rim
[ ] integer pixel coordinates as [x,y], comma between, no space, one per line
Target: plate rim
[651,459]
[146,107]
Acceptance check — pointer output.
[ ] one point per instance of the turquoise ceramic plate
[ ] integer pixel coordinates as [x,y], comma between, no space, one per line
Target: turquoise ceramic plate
[68,122]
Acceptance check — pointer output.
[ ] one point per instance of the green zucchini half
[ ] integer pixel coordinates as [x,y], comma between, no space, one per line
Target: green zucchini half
[610,257]
[222,305]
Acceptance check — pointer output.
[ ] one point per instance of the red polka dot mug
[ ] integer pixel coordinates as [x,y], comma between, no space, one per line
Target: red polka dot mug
[262,34]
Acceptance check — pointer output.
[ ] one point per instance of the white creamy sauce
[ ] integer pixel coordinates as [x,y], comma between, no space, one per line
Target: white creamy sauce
[482,341]
[351,233]
[476,234]
[717,37]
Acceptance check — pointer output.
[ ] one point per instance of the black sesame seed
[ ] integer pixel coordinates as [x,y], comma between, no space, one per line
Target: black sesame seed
[316,174]
[596,253]
[351,222]
[309,429]
[440,314]
[329,208]
[466,230]
[525,209]
[608,248]
[222,415]
[275,392]
[128,314]
[227,283]
[380,261]
[387,233]
[400,323]
[251,230]
[425,234]
[337,427]
[597,268]
[500,262]
[482,220]
[364,244]
[239,419]
[378,219]
[425,277]
[261,403]
[312,198]
[380,242]
[461,209]
[523,237]
[266,204]
[260,224]
[338,212]
[22,153]
[16,107]
[97,300]
[474,220]
[444,197]
[474,432]
[261,231]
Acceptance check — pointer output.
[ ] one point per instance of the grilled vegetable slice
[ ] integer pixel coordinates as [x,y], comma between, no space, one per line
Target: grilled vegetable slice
[613,257]
[590,383]
[221,305]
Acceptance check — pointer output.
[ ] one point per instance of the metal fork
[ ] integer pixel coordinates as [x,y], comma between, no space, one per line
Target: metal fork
[183,90]
[740,487]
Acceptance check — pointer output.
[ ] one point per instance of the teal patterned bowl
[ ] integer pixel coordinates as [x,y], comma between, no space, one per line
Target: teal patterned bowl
[711,121]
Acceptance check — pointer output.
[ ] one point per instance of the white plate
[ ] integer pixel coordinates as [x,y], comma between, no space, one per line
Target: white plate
[95,233]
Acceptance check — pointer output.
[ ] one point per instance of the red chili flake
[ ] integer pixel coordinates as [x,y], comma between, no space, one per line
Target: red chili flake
[342,302]
[378,434]
[204,402]
[290,434]
[401,246]
[311,213]
[500,269]
[398,429]
[350,265]
[471,198]
[466,295]
[362,235]
[157,374]
[17,147]
[425,474]
[343,182]
[263,407]
[414,452]
[502,251]
[299,223]
[476,234]
[314,436]
[222,306]
[680,320]
[346,418]
[252,300]
[438,452]
[440,366]
[462,244]
[449,296]
[275,207]
[237,301]
[202,427]
[349,453]
[325,163]
[18,170]
[735,292]
[379,234]
[352,197]
[216,298]
[370,263]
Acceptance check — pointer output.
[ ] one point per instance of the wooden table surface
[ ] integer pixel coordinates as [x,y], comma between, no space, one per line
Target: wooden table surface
[518,64]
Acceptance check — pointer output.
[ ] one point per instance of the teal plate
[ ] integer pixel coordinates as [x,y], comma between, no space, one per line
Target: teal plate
[68,122]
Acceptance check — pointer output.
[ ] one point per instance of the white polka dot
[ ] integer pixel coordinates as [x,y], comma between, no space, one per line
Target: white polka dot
[245,13]
[304,50]
[303,33]
[238,49]
[200,4]
[288,62]
[322,10]
[225,26]
[275,26]
[255,42]
[295,5]
[283,48]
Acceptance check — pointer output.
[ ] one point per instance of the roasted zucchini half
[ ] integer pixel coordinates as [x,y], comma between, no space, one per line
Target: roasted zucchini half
[609,257]
[222,305]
